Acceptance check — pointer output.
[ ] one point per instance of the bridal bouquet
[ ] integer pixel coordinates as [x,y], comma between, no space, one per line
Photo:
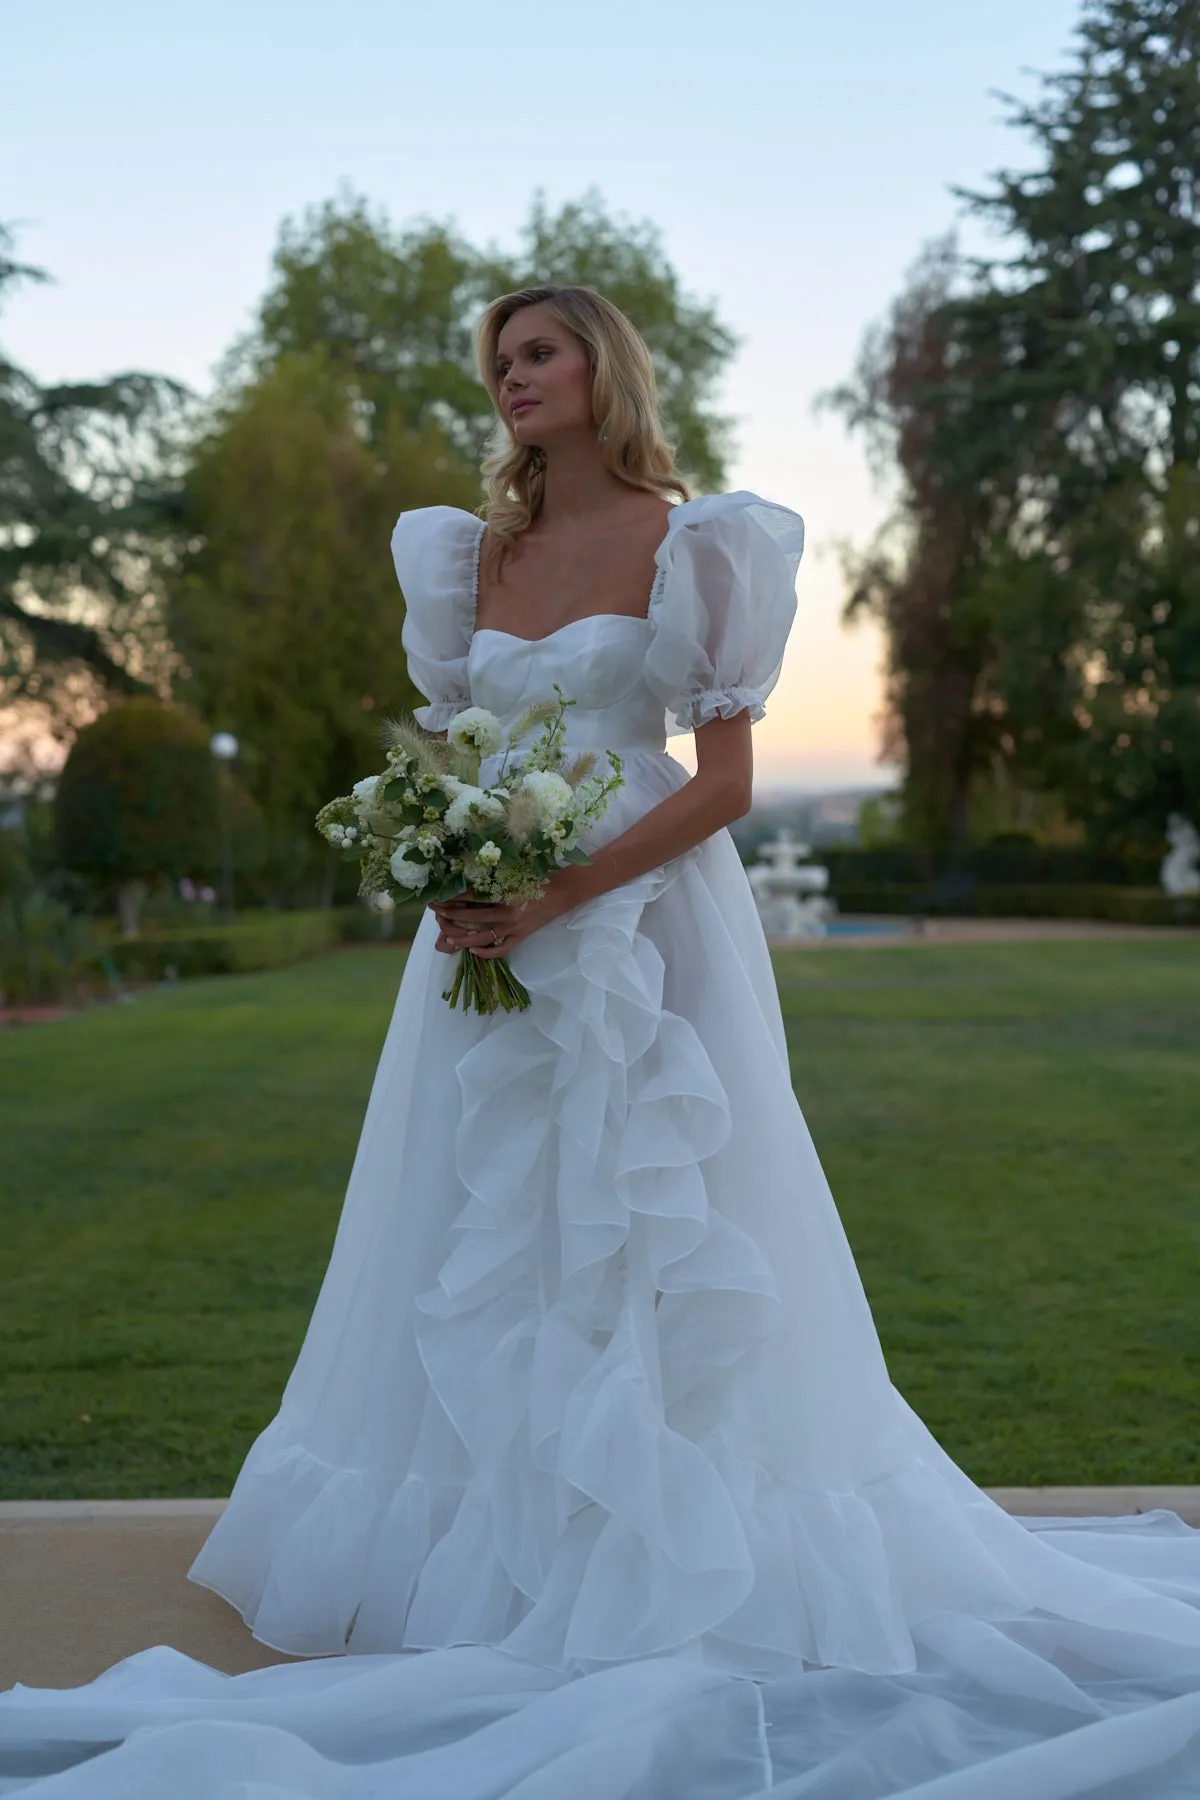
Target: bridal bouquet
[424,825]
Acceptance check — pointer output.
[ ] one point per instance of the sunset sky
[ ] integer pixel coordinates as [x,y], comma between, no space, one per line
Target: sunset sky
[795,155]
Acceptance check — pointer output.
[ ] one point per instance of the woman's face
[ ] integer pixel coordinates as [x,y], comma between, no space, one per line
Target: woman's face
[544,377]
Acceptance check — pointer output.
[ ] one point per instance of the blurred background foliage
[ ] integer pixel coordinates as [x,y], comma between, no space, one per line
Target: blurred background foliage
[229,555]
[1039,412]
[1035,414]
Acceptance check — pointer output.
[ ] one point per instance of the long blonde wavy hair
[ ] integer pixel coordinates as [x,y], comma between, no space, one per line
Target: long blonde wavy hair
[624,406]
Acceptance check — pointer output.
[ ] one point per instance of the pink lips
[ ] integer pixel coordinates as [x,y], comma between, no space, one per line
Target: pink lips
[520,406]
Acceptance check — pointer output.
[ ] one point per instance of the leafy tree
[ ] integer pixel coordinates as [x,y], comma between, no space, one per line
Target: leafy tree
[1041,611]
[86,487]
[393,311]
[581,244]
[354,398]
[912,396]
[286,609]
[1096,319]
[138,801]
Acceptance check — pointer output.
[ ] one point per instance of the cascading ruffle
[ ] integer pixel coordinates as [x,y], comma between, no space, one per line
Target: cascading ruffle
[581,1490]
[591,1306]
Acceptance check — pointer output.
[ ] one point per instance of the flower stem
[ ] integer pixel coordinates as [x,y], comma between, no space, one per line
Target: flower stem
[486,985]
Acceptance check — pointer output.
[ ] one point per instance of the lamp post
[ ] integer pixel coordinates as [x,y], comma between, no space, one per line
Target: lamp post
[224,747]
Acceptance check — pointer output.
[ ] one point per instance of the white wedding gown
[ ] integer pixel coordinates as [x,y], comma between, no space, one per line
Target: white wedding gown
[592,1411]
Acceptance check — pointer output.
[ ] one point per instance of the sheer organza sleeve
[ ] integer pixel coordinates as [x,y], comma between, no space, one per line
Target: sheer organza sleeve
[723,606]
[436,553]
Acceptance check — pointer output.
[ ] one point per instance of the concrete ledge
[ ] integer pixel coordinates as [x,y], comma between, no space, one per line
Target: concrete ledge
[1088,1502]
[84,1583]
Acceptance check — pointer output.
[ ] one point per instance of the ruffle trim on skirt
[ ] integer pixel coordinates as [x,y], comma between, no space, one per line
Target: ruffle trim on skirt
[574,1493]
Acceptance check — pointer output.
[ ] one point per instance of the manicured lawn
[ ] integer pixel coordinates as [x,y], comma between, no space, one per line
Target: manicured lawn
[1012,1132]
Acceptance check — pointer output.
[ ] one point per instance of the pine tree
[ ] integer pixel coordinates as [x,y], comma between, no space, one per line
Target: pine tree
[1095,322]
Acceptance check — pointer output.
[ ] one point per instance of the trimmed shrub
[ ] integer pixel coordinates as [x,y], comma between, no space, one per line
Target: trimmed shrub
[1066,900]
[361,924]
[138,800]
[1013,858]
[44,949]
[263,941]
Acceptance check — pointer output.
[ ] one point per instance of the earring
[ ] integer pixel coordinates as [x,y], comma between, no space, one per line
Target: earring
[602,435]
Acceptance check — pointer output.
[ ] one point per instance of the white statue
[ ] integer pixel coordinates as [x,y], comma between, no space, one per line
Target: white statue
[790,893]
[1180,872]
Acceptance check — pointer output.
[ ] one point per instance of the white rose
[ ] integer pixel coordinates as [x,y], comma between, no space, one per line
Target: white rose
[364,791]
[477,727]
[470,805]
[554,796]
[406,874]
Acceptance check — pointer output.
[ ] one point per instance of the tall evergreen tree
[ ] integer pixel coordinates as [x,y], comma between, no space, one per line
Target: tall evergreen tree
[924,579]
[1095,319]
[1057,431]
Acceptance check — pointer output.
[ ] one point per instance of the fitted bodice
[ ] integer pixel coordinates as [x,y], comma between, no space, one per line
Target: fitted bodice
[710,646]
[598,661]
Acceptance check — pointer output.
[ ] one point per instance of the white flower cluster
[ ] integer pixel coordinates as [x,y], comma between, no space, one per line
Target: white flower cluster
[408,874]
[421,824]
[478,727]
[472,806]
[555,797]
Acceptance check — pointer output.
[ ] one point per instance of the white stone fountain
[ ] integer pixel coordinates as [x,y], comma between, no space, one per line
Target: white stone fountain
[790,893]
[1180,872]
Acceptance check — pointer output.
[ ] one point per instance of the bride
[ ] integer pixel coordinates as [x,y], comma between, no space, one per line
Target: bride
[592,1410]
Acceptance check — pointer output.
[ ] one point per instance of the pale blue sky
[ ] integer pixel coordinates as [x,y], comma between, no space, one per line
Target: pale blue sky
[796,156]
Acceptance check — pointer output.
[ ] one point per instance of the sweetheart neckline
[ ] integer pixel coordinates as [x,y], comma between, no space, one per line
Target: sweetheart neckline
[495,630]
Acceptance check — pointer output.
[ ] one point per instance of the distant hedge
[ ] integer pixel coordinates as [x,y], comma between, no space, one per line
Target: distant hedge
[1046,900]
[1017,860]
[266,940]
[269,941]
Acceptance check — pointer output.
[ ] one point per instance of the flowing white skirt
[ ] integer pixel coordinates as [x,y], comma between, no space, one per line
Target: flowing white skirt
[593,1413]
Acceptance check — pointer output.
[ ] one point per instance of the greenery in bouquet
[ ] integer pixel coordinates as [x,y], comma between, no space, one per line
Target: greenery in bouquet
[424,825]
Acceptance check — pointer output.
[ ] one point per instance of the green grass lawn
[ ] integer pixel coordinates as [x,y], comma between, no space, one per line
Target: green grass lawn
[1012,1133]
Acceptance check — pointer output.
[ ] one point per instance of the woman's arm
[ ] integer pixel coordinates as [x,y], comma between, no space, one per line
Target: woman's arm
[717,793]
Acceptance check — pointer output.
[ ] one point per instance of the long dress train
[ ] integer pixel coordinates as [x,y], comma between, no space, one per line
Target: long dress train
[592,1409]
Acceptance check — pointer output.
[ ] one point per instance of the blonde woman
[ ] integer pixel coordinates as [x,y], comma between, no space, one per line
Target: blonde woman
[592,1410]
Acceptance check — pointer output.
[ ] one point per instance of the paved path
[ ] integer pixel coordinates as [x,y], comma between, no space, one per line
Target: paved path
[86,1582]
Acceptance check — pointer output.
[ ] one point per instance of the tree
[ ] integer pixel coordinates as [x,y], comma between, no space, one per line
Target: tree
[138,801]
[393,311]
[286,608]
[1097,312]
[355,398]
[1041,614]
[87,484]
[912,396]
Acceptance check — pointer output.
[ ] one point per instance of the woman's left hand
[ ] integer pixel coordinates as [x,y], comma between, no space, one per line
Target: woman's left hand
[476,924]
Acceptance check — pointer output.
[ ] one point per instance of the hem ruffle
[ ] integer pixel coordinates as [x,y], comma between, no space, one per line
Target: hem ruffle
[572,1495]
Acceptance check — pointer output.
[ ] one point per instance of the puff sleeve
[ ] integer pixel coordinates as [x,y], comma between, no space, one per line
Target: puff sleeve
[724,603]
[436,553]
